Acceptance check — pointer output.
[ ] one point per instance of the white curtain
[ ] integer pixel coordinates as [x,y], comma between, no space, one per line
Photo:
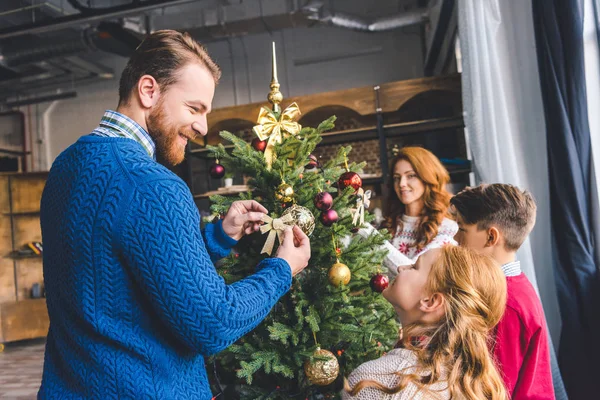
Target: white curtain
[592,78]
[504,117]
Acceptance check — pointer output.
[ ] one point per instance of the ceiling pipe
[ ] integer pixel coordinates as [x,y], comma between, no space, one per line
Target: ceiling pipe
[108,36]
[30,7]
[95,16]
[316,11]
[40,99]
[17,53]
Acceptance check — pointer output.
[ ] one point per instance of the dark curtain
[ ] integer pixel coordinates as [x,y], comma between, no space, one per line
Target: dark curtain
[559,40]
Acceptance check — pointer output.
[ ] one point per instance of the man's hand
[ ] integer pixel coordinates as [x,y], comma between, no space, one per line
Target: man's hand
[243,218]
[295,249]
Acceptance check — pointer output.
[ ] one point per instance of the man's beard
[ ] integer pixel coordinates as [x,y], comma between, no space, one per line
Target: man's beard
[165,136]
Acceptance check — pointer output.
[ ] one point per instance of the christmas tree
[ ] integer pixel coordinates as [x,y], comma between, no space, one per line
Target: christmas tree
[331,320]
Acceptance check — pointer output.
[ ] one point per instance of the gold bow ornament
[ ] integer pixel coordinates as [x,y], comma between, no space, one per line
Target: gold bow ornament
[363,201]
[275,129]
[275,227]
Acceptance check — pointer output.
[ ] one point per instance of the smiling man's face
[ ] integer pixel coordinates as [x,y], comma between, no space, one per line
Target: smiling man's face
[180,114]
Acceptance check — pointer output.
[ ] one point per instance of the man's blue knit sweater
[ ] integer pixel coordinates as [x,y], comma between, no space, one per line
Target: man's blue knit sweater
[134,300]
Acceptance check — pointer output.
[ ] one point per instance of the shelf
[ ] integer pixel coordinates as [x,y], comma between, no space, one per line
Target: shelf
[427,126]
[366,180]
[236,189]
[16,256]
[393,130]
[370,132]
[205,150]
[31,174]
[376,180]
[23,319]
[11,152]
[460,171]
[23,213]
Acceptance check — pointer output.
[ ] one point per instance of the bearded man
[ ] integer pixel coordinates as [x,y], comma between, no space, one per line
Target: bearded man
[134,299]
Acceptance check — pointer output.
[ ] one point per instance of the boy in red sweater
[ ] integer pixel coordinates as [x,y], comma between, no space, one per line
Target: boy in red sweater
[495,220]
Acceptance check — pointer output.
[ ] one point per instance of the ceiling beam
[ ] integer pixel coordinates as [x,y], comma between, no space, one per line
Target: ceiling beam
[79,19]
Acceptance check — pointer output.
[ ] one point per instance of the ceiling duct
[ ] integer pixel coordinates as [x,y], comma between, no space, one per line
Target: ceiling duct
[39,99]
[108,36]
[232,19]
[316,11]
[69,21]
[309,15]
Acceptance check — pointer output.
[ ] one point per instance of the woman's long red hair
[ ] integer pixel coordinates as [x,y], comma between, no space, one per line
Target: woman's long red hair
[436,198]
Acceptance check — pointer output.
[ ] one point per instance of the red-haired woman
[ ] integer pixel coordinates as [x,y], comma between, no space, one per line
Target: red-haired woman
[417,210]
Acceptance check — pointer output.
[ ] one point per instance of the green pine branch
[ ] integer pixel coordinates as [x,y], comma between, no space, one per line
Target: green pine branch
[351,321]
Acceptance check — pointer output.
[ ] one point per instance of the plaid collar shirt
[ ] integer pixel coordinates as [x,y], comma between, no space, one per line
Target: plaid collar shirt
[114,124]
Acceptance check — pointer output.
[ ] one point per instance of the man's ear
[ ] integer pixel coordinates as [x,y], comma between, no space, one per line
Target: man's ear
[493,236]
[432,303]
[148,91]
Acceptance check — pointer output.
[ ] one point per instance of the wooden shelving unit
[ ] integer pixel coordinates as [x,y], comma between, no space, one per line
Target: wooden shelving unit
[16,256]
[21,317]
[426,112]
[22,213]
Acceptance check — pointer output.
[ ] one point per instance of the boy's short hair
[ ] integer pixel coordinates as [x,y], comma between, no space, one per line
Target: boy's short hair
[504,206]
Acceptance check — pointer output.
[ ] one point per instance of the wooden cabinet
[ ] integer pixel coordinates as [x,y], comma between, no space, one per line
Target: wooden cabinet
[21,316]
[424,112]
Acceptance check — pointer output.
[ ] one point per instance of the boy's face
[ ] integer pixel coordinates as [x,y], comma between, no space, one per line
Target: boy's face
[471,237]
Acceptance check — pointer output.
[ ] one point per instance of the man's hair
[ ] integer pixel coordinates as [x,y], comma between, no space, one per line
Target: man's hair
[506,207]
[162,55]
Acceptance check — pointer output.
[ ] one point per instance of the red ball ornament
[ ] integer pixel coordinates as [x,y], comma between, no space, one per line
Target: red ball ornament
[259,145]
[216,171]
[329,217]
[349,179]
[312,162]
[379,283]
[323,201]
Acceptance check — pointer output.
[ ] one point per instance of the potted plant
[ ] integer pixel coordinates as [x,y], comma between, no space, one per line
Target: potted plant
[228,179]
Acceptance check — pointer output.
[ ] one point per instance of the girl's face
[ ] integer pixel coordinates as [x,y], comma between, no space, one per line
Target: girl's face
[407,184]
[407,293]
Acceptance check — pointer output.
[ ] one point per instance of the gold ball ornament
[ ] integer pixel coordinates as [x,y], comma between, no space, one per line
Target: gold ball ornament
[322,372]
[339,274]
[302,217]
[285,193]
[275,97]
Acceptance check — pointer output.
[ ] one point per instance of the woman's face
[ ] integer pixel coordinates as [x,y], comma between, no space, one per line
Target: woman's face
[407,184]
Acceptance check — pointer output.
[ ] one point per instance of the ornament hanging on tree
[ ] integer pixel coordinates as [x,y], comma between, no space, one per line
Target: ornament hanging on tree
[285,193]
[363,201]
[379,283]
[259,145]
[273,128]
[323,201]
[349,179]
[339,274]
[322,372]
[301,217]
[216,171]
[329,217]
[275,228]
[312,162]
